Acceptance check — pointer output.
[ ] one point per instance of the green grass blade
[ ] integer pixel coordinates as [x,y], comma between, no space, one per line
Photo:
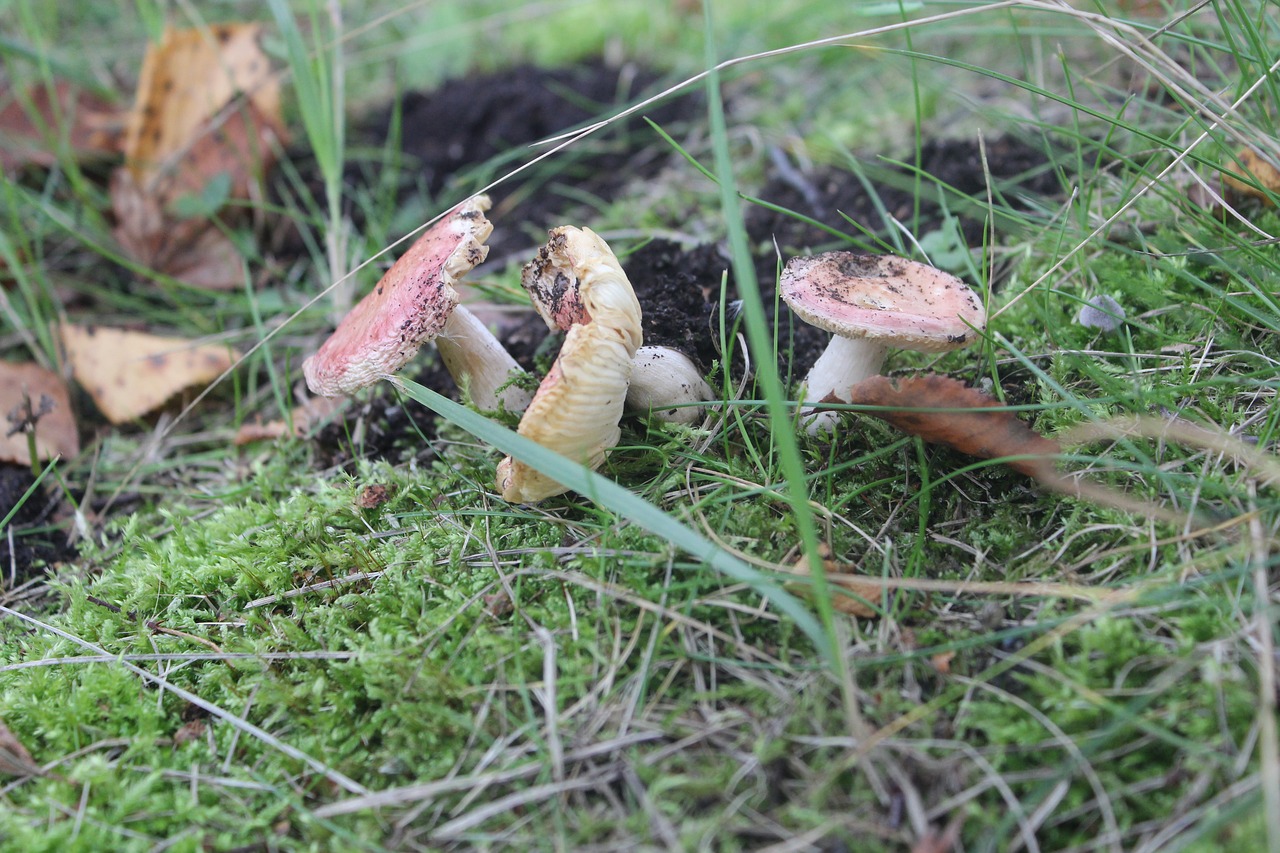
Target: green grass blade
[614,497]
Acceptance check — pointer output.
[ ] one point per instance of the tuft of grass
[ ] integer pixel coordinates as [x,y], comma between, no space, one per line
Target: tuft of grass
[242,655]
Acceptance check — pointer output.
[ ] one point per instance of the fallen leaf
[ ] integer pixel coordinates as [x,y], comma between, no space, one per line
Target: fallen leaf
[15,760]
[372,497]
[37,122]
[941,662]
[129,374]
[190,731]
[186,81]
[1261,170]
[207,113]
[55,427]
[305,417]
[193,251]
[851,583]
[976,424]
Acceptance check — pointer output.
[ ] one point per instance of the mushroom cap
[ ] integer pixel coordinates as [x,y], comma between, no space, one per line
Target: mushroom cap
[662,377]
[887,299]
[408,307]
[575,411]
[579,403]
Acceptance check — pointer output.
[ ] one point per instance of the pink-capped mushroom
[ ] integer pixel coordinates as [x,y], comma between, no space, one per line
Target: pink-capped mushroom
[871,303]
[577,283]
[413,303]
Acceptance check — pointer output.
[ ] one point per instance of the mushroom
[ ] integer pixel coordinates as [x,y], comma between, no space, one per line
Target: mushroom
[663,377]
[1101,312]
[871,303]
[413,303]
[577,283]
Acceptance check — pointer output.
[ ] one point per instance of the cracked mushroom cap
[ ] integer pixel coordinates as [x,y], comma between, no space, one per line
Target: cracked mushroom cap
[883,298]
[579,403]
[408,307]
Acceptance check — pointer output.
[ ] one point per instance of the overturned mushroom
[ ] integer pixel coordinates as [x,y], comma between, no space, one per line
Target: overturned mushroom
[871,303]
[665,382]
[413,303]
[576,283]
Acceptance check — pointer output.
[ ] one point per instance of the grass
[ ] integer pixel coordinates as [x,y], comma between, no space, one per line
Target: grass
[240,654]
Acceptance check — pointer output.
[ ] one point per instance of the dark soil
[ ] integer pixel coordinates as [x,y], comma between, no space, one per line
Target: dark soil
[31,549]
[472,130]
[679,292]
[949,168]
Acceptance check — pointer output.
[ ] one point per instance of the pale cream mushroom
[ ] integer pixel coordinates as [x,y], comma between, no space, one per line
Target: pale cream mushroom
[667,385]
[413,303]
[661,377]
[577,283]
[871,303]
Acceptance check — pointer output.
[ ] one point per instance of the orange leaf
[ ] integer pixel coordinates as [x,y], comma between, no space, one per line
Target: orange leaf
[850,604]
[129,374]
[304,417]
[186,81]
[1262,171]
[56,433]
[991,432]
[208,104]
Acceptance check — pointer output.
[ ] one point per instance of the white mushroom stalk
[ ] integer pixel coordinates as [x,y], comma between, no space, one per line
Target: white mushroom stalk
[872,303]
[667,385]
[473,356]
[416,302]
[576,280]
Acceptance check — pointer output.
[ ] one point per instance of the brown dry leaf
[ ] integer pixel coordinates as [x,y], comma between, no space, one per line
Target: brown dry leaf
[941,662]
[56,433]
[33,123]
[1263,171]
[993,434]
[305,417]
[186,81]
[841,602]
[208,104]
[15,760]
[129,374]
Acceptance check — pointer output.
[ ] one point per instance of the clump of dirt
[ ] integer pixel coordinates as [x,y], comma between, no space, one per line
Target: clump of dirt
[679,293]
[27,553]
[829,194]
[473,129]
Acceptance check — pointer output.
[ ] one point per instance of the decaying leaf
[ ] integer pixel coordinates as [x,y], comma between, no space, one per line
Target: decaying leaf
[207,109]
[847,583]
[306,416]
[186,81]
[30,393]
[946,411]
[129,374]
[15,759]
[1262,170]
[35,124]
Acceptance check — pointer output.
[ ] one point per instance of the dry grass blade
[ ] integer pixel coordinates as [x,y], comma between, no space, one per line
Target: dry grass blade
[419,793]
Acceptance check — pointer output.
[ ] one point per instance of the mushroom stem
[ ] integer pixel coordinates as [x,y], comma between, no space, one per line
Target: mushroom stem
[473,355]
[844,363]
